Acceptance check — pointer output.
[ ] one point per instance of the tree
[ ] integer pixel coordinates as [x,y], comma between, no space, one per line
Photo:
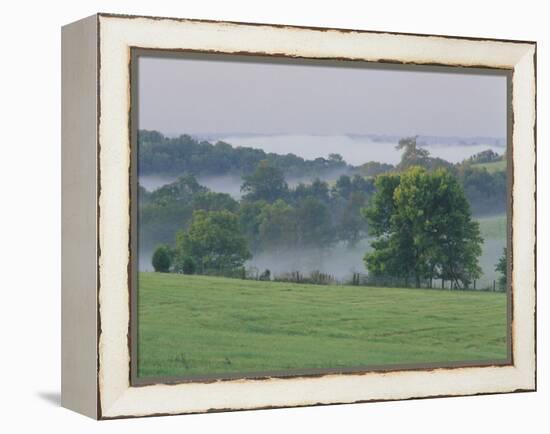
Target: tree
[317,189]
[188,266]
[423,228]
[336,158]
[212,201]
[412,154]
[486,192]
[265,183]
[486,156]
[362,184]
[162,259]
[373,168]
[351,226]
[277,228]
[313,222]
[214,243]
[502,268]
[250,218]
[181,190]
[342,187]
[392,248]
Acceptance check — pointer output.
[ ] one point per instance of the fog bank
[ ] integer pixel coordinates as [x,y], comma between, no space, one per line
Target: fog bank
[358,150]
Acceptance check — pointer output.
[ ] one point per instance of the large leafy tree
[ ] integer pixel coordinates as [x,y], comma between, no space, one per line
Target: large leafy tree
[392,253]
[423,228]
[265,183]
[166,210]
[213,241]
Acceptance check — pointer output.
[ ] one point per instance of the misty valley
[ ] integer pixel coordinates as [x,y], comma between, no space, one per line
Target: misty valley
[214,208]
[287,218]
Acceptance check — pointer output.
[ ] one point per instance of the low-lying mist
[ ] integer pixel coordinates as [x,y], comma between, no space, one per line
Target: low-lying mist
[340,261]
[360,149]
[220,184]
[223,184]
[231,184]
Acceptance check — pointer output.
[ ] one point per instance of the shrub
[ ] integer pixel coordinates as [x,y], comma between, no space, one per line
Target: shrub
[266,275]
[162,259]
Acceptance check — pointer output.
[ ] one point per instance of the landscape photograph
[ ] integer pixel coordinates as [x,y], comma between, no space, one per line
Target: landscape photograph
[297,216]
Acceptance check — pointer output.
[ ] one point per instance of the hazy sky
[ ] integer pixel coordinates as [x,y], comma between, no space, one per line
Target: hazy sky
[207,95]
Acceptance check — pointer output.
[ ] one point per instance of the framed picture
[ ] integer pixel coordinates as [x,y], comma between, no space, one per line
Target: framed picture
[262,216]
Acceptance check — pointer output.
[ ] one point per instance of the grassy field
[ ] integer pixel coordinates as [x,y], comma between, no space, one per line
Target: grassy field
[493,227]
[494,166]
[197,325]
[493,231]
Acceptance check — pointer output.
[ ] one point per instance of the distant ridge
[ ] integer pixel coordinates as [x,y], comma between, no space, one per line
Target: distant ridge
[426,140]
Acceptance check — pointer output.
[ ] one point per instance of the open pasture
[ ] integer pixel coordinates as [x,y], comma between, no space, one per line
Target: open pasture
[201,326]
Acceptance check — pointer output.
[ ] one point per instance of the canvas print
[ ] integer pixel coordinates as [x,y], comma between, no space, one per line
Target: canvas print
[300,217]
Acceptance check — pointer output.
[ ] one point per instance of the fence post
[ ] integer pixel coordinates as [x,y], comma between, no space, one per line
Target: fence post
[494,285]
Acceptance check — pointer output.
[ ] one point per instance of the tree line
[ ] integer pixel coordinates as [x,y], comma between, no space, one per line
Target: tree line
[418,213]
[161,155]
[271,216]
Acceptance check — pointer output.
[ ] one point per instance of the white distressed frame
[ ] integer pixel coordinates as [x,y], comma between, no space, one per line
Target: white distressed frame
[116,35]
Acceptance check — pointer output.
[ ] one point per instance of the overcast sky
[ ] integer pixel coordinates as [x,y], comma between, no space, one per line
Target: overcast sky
[206,95]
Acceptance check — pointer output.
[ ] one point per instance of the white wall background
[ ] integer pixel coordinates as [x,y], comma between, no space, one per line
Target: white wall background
[30,216]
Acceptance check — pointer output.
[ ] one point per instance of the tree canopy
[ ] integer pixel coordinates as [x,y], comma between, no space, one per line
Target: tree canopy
[265,183]
[213,241]
[161,155]
[419,211]
[423,228]
[487,156]
[162,259]
[414,155]
[308,215]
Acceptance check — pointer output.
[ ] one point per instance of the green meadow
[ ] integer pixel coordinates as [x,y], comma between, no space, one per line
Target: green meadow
[493,227]
[201,326]
[493,231]
[493,166]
